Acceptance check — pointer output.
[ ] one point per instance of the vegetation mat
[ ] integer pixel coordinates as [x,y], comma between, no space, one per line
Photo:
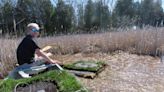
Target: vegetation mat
[87,69]
[64,81]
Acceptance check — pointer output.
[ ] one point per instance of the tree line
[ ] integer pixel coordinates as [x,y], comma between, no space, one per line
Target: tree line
[59,16]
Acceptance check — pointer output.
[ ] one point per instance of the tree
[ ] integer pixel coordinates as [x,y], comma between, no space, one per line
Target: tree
[125,8]
[102,14]
[64,17]
[151,12]
[88,15]
[7,16]
[46,14]
[80,16]
[39,11]
[97,15]
[124,13]
[137,12]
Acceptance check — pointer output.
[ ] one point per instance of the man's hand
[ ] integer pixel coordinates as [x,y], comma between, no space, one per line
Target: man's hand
[46,57]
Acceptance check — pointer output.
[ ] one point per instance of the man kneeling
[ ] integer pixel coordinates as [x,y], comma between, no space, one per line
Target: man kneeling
[27,49]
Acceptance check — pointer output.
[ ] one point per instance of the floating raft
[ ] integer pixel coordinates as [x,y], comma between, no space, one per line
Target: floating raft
[86,69]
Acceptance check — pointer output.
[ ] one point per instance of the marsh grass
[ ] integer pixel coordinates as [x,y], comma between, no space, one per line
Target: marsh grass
[146,41]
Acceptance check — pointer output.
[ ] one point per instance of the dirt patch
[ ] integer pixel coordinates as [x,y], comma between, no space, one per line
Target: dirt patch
[125,73]
[37,87]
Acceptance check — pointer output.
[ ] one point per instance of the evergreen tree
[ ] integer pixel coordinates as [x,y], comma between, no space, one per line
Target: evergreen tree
[39,11]
[80,16]
[151,12]
[124,13]
[88,16]
[125,8]
[64,17]
[7,12]
[103,15]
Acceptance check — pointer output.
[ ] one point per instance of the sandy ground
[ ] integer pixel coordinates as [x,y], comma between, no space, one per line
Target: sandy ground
[125,72]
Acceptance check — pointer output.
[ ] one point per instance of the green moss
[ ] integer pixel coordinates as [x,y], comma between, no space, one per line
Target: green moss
[65,81]
[73,66]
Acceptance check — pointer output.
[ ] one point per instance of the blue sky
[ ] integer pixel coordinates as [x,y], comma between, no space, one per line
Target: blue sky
[163,4]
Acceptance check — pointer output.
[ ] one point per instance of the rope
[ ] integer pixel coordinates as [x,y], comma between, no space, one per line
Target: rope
[15,88]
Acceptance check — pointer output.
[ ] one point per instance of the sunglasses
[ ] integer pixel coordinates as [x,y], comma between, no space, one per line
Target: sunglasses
[35,30]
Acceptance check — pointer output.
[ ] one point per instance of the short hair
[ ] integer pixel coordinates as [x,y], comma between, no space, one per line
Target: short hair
[33,25]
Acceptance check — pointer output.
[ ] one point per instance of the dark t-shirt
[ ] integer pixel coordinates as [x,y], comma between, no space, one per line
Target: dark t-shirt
[26,50]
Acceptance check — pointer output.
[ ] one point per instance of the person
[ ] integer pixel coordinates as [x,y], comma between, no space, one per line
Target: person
[26,51]
[28,48]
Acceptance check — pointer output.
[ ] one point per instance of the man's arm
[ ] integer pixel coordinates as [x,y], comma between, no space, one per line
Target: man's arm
[42,54]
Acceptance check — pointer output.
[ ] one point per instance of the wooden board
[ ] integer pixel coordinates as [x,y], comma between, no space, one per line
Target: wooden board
[46,48]
[86,71]
[84,74]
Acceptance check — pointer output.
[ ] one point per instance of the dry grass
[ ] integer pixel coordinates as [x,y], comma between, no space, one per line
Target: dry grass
[148,41]
[7,55]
